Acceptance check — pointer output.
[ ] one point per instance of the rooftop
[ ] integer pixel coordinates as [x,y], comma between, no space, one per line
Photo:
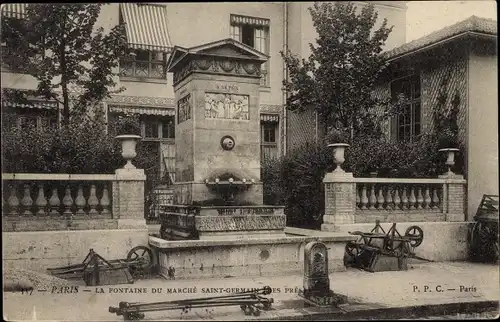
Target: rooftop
[472,24]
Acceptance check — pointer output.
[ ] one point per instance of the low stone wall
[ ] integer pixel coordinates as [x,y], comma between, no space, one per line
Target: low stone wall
[443,241]
[21,224]
[45,249]
[244,257]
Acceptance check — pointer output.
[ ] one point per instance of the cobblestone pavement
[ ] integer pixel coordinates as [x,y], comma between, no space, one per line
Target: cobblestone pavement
[422,284]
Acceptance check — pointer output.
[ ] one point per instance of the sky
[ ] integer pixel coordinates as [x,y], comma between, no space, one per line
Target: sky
[424,17]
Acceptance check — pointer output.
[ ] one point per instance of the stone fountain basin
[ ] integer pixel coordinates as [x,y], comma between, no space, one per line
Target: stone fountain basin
[222,222]
[258,256]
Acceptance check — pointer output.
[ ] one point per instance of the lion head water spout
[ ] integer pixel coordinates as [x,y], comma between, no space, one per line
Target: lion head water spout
[227,187]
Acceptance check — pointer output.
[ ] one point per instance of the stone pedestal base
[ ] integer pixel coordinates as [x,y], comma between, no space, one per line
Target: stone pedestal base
[330,299]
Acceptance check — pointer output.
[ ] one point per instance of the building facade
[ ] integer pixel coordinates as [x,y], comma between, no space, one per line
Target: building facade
[152,31]
[457,64]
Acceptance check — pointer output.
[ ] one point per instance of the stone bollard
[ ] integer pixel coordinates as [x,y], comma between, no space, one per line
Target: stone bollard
[316,291]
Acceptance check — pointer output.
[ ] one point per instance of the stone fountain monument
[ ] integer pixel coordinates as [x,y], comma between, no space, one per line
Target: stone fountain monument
[218,192]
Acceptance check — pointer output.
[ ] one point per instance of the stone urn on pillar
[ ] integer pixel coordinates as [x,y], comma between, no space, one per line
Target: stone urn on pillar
[129,144]
[450,158]
[338,154]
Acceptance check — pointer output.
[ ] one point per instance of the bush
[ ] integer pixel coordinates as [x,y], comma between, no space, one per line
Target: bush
[82,147]
[295,181]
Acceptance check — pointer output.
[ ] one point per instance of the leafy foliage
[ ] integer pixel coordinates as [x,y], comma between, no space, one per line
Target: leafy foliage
[338,77]
[83,146]
[335,135]
[72,60]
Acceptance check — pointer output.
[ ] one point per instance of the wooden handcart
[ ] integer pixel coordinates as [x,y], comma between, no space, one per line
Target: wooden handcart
[484,233]
[376,246]
[95,270]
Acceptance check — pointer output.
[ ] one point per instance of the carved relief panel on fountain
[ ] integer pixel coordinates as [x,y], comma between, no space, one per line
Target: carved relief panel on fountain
[184,109]
[227,106]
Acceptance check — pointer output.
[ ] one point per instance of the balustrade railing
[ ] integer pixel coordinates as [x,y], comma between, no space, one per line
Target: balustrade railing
[399,195]
[57,195]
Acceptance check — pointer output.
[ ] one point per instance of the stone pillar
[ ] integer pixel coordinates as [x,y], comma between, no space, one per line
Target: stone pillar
[340,200]
[455,197]
[128,198]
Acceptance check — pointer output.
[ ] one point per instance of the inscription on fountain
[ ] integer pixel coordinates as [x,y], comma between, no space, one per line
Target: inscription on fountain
[245,211]
[227,87]
[184,109]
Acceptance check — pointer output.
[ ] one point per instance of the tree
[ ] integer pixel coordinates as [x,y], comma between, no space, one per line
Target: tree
[72,60]
[338,77]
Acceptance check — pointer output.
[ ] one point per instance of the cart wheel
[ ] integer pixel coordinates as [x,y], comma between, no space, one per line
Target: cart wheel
[351,248]
[416,234]
[140,260]
[256,312]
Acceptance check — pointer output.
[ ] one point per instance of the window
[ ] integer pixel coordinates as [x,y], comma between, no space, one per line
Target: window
[408,122]
[144,63]
[158,133]
[27,120]
[253,32]
[158,127]
[268,142]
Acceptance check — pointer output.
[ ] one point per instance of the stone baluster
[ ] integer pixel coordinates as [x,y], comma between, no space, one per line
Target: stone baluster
[364,198]
[427,198]
[67,201]
[13,202]
[105,201]
[435,198]
[388,199]
[80,201]
[41,201]
[397,199]
[420,198]
[54,203]
[373,199]
[404,200]
[27,202]
[380,199]
[358,199]
[93,201]
[412,200]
